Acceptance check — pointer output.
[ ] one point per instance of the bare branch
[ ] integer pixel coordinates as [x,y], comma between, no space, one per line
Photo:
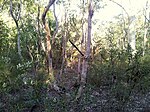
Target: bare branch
[123,9]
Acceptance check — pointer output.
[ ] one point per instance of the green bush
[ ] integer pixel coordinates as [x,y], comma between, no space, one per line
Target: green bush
[129,71]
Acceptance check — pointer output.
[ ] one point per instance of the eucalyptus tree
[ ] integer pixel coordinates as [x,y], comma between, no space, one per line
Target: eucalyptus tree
[88,51]
[16,15]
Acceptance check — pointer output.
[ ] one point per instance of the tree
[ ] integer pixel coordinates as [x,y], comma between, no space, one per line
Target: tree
[146,26]
[130,31]
[132,34]
[16,18]
[49,47]
[48,35]
[88,51]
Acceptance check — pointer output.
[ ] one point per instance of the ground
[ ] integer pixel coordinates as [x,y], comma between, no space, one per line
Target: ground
[94,99]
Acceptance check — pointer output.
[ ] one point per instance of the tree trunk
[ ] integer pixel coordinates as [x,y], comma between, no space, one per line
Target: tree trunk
[132,34]
[146,25]
[81,48]
[145,40]
[55,32]
[63,54]
[80,58]
[87,54]
[16,19]
[49,50]
[48,43]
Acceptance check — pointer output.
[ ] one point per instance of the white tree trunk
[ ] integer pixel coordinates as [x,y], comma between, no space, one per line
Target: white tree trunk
[16,18]
[87,54]
[132,34]
[82,41]
[145,40]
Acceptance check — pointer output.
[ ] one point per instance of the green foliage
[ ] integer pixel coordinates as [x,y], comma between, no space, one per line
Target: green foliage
[24,83]
[124,73]
[4,40]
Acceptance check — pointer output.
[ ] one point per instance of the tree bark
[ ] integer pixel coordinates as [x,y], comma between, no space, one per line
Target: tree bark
[144,40]
[81,48]
[49,48]
[16,19]
[87,54]
[48,35]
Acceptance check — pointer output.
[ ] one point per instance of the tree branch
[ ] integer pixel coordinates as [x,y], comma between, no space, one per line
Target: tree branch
[11,12]
[123,9]
[46,10]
